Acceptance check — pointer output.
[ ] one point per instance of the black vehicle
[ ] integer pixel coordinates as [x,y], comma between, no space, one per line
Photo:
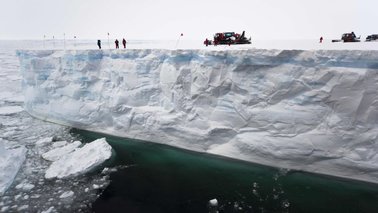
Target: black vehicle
[228,38]
[348,37]
[373,37]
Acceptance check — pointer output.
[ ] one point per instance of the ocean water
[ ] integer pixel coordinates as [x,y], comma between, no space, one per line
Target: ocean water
[159,178]
[148,177]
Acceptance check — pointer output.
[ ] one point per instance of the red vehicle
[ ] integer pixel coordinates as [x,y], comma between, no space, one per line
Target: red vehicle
[228,38]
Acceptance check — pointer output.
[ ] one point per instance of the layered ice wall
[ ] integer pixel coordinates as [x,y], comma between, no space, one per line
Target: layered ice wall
[309,110]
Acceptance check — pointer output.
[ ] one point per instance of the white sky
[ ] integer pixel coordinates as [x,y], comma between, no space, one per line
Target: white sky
[196,19]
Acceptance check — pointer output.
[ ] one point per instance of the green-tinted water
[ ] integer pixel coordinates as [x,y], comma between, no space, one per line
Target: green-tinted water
[165,179]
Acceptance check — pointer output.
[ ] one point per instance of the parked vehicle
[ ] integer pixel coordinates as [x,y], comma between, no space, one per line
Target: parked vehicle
[228,38]
[372,37]
[348,37]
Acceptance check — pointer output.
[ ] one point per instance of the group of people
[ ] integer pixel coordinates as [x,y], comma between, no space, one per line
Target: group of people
[116,43]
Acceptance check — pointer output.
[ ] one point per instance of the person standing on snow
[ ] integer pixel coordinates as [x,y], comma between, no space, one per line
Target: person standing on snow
[124,43]
[206,42]
[116,43]
[99,44]
[321,39]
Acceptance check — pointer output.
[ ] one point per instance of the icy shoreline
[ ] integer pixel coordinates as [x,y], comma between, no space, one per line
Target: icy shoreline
[308,110]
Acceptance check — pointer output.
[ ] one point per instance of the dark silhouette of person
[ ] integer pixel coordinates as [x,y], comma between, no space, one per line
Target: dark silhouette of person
[124,43]
[321,39]
[117,43]
[206,42]
[99,44]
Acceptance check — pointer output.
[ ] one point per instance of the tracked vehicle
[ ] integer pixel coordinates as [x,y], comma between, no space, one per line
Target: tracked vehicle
[228,38]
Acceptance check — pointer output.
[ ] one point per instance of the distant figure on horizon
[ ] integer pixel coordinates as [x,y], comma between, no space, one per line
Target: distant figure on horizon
[206,42]
[117,43]
[124,43]
[99,44]
[321,39]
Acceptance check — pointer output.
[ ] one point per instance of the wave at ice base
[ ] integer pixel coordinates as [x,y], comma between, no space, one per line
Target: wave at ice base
[315,111]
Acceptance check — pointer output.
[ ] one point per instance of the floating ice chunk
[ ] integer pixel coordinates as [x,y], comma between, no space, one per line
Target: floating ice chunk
[25,186]
[59,144]
[11,97]
[8,110]
[49,210]
[35,196]
[4,209]
[107,170]
[23,207]
[213,206]
[16,98]
[10,162]
[44,141]
[213,202]
[66,194]
[81,161]
[17,197]
[57,153]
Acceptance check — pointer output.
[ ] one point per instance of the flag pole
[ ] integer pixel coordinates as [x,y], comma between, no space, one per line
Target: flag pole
[178,40]
[108,41]
[64,41]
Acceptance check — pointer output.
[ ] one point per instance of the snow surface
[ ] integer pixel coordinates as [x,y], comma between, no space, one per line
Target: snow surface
[80,161]
[312,110]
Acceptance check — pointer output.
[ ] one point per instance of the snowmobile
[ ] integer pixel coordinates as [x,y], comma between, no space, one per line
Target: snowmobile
[228,38]
[348,37]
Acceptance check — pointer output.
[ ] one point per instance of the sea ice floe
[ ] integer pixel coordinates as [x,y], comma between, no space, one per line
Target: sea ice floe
[25,186]
[44,141]
[8,110]
[81,160]
[66,194]
[213,202]
[10,162]
[55,154]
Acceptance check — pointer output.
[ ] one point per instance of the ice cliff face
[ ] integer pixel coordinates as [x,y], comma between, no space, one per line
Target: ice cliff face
[310,110]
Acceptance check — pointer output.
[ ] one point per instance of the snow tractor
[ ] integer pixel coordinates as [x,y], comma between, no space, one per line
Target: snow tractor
[348,37]
[228,38]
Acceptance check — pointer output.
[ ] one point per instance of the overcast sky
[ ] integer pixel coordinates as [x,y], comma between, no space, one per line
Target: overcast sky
[196,19]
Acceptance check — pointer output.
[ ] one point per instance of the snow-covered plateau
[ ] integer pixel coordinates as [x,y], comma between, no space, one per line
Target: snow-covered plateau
[310,110]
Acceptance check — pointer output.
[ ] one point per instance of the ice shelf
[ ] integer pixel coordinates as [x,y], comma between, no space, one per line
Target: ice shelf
[315,111]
